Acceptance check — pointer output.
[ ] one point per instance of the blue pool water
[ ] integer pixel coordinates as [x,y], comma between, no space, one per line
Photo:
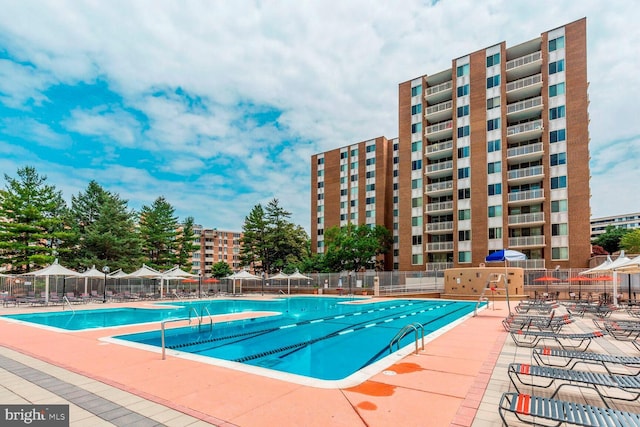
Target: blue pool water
[320,338]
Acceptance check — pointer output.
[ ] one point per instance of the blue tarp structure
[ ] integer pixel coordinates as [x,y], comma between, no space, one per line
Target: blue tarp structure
[505,255]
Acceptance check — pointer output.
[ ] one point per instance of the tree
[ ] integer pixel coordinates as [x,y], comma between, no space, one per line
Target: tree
[356,247]
[610,239]
[185,245]
[270,242]
[32,231]
[221,269]
[158,227]
[630,242]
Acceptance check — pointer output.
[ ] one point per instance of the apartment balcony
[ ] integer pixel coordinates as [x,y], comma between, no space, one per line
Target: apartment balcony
[526,220]
[525,109]
[525,131]
[526,242]
[438,93]
[439,188]
[525,153]
[521,198]
[438,266]
[525,175]
[439,227]
[440,130]
[439,207]
[440,247]
[527,87]
[435,170]
[524,66]
[439,150]
[439,112]
[529,264]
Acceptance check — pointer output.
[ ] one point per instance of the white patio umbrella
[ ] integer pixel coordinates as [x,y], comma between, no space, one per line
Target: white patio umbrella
[298,276]
[242,275]
[54,269]
[282,276]
[93,272]
[611,267]
[176,273]
[146,272]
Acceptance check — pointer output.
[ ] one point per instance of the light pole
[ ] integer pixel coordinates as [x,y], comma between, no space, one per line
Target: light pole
[105,270]
[262,284]
[350,276]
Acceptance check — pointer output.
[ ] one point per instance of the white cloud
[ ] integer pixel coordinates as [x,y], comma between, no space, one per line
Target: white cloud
[331,67]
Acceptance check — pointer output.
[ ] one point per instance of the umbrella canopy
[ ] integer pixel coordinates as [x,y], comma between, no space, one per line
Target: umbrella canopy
[210,280]
[630,267]
[245,275]
[505,255]
[298,275]
[611,267]
[546,279]
[144,272]
[118,274]
[279,276]
[190,281]
[177,272]
[580,279]
[92,272]
[54,269]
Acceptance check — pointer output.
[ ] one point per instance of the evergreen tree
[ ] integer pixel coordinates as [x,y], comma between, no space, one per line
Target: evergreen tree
[32,231]
[158,227]
[255,250]
[186,247]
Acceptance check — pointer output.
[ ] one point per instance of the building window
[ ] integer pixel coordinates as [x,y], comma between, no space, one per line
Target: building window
[396,159]
[557,135]
[463,152]
[416,127]
[464,256]
[354,165]
[463,90]
[493,145]
[464,214]
[395,199]
[493,103]
[416,146]
[559,229]
[558,159]
[370,174]
[371,161]
[320,231]
[416,165]
[416,109]
[370,148]
[343,155]
[395,186]
[556,44]
[557,89]
[464,193]
[494,189]
[416,221]
[416,202]
[416,90]
[494,167]
[463,131]
[495,233]
[370,187]
[321,160]
[556,67]
[495,211]
[396,146]
[464,235]
[558,182]
[344,192]
[559,205]
[416,183]
[559,253]
[416,259]
[493,124]
[493,60]
[321,172]
[370,200]
[321,196]
[463,173]
[343,168]
[370,214]
[343,217]
[321,184]
[416,240]
[493,81]
[395,171]
[462,70]
[557,112]
[353,203]
[463,111]
[354,178]
[354,152]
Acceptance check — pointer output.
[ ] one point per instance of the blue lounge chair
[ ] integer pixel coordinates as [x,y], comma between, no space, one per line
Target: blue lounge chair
[531,339]
[545,356]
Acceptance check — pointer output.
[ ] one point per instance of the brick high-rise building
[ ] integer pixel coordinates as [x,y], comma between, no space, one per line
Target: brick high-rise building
[492,153]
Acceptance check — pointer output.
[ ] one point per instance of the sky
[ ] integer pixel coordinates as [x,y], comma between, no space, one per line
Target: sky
[219,105]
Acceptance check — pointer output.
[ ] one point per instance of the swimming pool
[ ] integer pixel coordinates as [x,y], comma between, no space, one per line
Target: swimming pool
[326,339]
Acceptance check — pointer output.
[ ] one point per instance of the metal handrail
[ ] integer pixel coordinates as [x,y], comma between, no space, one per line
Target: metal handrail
[162,330]
[406,330]
[65,299]
[202,315]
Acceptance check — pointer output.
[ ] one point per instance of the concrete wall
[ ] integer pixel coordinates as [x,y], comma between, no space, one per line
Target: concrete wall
[468,283]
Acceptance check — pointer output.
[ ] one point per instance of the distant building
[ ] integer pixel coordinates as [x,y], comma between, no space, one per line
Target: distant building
[492,152]
[626,221]
[214,246]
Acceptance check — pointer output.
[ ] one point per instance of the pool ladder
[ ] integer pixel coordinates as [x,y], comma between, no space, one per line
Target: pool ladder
[494,280]
[416,327]
[200,318]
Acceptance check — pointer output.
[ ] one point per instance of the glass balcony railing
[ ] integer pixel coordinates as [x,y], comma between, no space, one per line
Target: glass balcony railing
[439,186]
[524,150]
[525,172]
[522,196]
[526,241]
[440,226]
[536,217]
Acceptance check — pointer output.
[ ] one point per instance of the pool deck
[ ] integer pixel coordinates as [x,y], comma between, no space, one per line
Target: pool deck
[455,381]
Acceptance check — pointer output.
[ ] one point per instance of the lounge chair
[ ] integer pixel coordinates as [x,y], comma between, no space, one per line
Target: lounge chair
[623,330]
[531,339]
[550,323]
[545,377]
[546,355]
[530,409]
